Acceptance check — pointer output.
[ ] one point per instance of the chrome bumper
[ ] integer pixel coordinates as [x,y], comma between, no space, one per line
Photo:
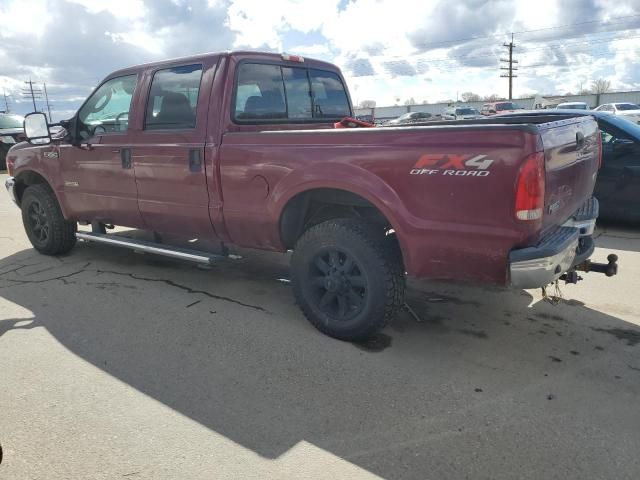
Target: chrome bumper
[567,246]
[10,185]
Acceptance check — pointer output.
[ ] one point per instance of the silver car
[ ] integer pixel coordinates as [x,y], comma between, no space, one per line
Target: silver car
[630,111]
[461,113]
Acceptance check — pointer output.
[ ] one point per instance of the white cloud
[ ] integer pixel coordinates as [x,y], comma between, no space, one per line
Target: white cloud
[387,49]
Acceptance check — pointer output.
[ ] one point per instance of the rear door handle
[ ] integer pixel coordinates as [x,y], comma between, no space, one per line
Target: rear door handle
[195,160]
[125,157]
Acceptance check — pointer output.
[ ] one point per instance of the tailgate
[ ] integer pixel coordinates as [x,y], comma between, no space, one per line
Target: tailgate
[572,150]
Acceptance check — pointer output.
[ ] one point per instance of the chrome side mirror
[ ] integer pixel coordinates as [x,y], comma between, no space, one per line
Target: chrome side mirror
[36,129]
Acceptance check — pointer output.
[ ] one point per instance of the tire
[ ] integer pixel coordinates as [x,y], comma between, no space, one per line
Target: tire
[46,227]
[348,278]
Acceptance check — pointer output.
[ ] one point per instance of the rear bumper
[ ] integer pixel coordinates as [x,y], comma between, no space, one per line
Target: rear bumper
[10,185]
[559,251]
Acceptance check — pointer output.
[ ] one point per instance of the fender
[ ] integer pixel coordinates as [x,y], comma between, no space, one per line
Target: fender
[28,159]
[351,178]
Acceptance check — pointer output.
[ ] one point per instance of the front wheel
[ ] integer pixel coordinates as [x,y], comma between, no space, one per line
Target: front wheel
[44,223]
[347,278]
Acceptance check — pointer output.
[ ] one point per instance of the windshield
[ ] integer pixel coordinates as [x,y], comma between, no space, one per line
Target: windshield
[574,106]
[11,121]
[466,111]
[627,106]
[507,106]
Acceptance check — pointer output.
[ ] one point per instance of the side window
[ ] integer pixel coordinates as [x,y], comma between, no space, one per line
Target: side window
[259,93]
[173,98]
[329,95]
[107,109]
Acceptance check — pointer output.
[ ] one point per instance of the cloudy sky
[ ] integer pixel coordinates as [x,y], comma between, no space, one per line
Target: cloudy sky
[389,50]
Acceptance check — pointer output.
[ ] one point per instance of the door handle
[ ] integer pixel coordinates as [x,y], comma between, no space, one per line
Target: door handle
[125,157]
[195,160]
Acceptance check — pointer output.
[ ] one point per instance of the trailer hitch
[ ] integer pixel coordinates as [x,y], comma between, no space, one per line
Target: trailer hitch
[609,269]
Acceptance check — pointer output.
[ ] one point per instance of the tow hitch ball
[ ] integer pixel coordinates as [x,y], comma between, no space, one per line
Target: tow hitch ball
[609,269]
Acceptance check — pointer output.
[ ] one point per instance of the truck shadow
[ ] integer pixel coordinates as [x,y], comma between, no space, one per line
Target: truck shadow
[229,349]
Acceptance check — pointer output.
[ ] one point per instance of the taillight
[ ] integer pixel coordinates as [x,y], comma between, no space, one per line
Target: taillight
[530,188]
[9,165]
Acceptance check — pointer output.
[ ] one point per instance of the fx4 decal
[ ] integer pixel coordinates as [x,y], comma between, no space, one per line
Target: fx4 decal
[452,164]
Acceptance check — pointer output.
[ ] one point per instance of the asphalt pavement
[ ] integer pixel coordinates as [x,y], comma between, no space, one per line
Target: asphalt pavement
[116,365]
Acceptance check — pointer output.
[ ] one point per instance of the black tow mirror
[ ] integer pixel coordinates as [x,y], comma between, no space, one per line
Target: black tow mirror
[36,129]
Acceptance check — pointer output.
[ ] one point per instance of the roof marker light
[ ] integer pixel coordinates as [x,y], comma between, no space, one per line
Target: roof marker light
[292,58]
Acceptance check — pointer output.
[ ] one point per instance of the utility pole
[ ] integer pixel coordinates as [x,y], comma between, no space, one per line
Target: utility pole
[6,101]
[510,68]
[32,93]
[46,96]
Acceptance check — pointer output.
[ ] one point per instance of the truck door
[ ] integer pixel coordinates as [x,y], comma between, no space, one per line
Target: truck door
[618,183]
[168,152]
[98,179]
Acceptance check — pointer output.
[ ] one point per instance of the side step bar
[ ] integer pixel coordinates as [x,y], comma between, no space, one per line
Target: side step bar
[150,247]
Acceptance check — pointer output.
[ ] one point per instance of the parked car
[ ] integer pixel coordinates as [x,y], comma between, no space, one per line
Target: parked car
[499,107]
[572,106]
[630,111]
[11,131]
[257,162]
[411,117]
[618,184]
[460,113]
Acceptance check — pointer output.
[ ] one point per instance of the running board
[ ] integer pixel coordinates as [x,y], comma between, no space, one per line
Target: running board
[150,247]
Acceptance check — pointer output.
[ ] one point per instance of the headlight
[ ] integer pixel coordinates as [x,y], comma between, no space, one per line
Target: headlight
[7,139]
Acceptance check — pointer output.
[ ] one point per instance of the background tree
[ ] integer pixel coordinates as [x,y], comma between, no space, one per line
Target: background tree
[491,98]
[410,101]
[470,97]
[600,86]
[367,104]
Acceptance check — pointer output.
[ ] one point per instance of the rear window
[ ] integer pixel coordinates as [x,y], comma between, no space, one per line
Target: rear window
[466,111]
[280,93]
[627,106]
[11,121]
[507,106]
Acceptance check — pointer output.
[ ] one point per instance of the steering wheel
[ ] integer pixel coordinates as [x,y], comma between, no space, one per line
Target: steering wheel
[102,102]
[98,130]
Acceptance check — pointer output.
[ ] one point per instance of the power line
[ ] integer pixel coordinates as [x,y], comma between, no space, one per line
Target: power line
[502,35]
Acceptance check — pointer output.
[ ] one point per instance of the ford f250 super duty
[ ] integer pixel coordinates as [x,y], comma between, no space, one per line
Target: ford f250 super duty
[243,148]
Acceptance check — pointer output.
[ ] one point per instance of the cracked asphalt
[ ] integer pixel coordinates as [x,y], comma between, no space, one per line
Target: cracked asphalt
[120,365]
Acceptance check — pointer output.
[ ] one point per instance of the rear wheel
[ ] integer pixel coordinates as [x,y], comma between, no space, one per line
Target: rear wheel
[44,223]
[347,278]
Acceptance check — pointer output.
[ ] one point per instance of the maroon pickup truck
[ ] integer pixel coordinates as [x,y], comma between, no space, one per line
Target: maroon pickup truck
[242,148]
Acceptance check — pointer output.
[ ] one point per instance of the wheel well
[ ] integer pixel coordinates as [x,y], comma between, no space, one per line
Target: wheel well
[316,206]
[24,179]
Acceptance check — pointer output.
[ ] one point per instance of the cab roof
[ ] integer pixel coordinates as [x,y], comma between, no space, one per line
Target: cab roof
[242,54]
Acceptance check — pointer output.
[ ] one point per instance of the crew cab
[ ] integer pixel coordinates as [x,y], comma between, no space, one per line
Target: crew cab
[242,149]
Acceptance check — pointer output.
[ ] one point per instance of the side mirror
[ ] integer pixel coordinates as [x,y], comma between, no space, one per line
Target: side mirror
[36,129]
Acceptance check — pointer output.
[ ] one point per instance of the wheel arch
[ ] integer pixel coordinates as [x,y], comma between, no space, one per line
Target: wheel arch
[315,202]
[28,177]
